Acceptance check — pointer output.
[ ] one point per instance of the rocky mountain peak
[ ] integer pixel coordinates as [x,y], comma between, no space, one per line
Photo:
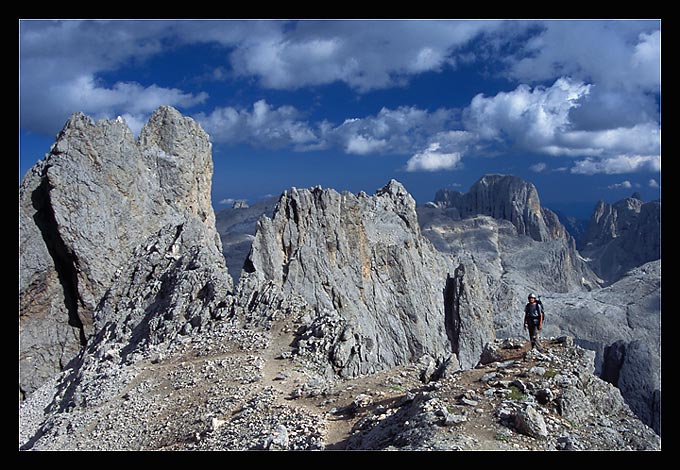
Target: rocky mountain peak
[240,204]
[172,133]
[373,282]
[347,329]
[505,197]
[84,209]
[396,189]
[622,235]
[180,152]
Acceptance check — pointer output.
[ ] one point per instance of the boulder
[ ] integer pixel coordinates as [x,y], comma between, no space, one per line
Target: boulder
[530,422]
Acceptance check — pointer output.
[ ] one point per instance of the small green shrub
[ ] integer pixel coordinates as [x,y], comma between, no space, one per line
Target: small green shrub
[502,437]
[515,394]
[550,373]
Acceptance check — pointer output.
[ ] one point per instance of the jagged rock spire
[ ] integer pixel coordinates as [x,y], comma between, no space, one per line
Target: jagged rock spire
[84,209]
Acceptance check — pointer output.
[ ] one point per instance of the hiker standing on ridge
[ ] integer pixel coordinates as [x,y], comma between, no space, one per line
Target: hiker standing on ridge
[533,318]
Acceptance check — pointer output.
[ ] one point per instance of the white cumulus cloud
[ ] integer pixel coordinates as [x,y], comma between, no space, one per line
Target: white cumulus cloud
[365,55]
[60,64]
[623,185]
[621,59]
[646,60]
[262,126]
[360,145]
[432,159]
[539,121]
[526,118]
[644,138]
[403,130]
[611,53]
[617,165]
[400,131]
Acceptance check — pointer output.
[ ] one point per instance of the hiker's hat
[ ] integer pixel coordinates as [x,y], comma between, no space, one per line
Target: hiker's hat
[531,296]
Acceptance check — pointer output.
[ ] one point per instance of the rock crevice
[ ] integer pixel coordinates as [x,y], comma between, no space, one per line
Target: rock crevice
[64,261]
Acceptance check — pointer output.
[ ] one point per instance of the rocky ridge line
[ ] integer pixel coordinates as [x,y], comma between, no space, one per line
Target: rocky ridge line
[378,290]
[177,360]
[622,236]
[239,396]
[95,197]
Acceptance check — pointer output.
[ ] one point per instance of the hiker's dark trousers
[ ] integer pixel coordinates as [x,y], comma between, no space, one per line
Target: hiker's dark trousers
[533,335]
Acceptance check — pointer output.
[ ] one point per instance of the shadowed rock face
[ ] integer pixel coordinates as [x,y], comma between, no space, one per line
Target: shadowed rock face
[622,236]
[361,263]
[84,208]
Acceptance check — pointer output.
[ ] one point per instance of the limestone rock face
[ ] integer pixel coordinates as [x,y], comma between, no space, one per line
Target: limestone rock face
[378,289]
[50,332]
[609,221]
[622,236]
[83,209]
[175,351]
[505,197]
[520,245]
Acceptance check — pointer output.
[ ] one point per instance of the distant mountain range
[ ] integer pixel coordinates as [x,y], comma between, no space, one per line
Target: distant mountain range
[135,335]
[501,227]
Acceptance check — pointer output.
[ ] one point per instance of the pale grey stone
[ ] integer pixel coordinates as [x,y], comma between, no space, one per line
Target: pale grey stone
[531,422]
[379,290]
[94,198]
[622,236]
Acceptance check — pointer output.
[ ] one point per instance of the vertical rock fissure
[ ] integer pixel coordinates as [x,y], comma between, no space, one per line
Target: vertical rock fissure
[452,294]
[64,262]
[612,362]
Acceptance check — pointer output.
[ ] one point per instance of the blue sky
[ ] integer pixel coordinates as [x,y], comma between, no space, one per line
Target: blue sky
[572,106]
